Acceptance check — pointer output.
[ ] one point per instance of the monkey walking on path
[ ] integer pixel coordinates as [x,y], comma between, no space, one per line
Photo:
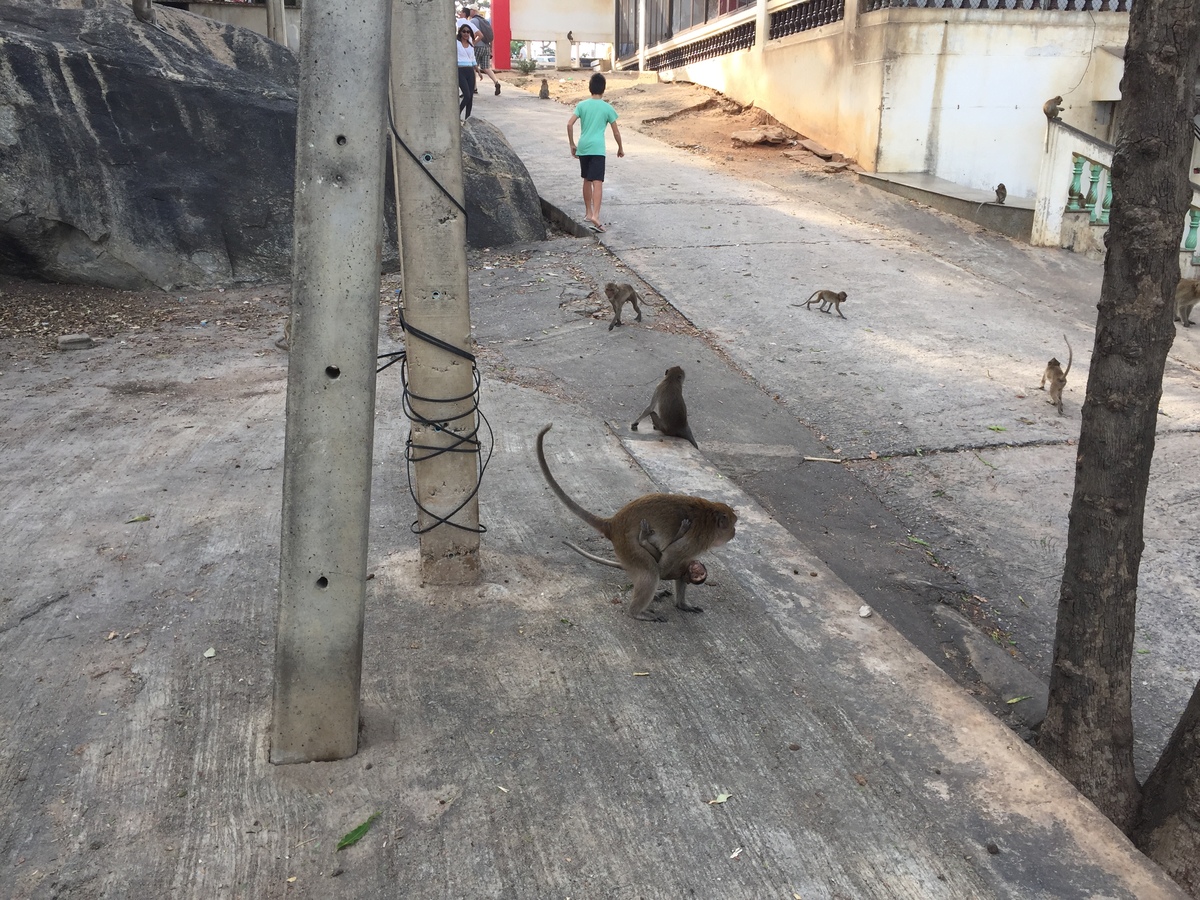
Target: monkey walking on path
[1057,377]
[826,300]
[697,525]
[667,410]
[618,295]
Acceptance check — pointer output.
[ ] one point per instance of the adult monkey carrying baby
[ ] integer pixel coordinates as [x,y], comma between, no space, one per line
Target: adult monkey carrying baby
[694,524]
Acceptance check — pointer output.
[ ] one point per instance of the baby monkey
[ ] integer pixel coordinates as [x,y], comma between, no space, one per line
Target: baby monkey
[667,410]
[693,571]
[827,300]
[1057,377]
[618,295]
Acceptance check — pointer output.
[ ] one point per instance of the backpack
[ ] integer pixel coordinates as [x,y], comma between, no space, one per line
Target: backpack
[485,26]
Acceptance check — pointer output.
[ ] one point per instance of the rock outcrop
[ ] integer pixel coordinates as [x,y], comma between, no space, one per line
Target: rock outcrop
[503,206]
[135,155]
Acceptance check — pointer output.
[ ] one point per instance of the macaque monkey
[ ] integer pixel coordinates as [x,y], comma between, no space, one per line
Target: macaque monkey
[618,295]
[1001,192]
[143,11]
[1057,377]
[693,571]
[1187,295]
[285,342]
[667,411]
[827,300]
[708,524]
[544,90]
[1052,107]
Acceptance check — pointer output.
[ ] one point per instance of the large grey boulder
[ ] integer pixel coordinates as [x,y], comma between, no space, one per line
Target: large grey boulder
[503,206]
[134,156]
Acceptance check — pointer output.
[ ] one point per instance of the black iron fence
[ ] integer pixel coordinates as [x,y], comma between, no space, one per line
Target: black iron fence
[803,16]
[740,37]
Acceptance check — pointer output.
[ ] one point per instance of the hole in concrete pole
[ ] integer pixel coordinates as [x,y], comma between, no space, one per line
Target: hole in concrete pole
[322,582]
[333,371]
[427,158]
[341,140]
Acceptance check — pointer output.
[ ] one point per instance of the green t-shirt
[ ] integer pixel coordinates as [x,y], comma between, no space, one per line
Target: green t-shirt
[594,116]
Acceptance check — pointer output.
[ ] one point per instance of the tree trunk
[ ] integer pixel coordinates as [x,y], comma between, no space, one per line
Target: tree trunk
[1169,830]
[1088,731]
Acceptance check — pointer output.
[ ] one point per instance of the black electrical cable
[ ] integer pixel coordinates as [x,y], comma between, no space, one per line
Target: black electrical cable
[462,443]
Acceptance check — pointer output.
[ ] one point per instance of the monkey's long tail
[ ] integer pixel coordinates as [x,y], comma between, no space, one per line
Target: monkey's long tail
[593,557]
[601,525]
[687,434]
[1070,357]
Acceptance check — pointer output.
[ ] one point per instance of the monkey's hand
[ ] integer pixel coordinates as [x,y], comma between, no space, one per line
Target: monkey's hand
[645,532]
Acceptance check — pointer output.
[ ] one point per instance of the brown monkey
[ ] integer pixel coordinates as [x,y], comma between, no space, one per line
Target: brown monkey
[544,90]
[618,295]
[1052,107]
[827,300]
[1057,377]
[1001,192]
[667,410]
[711,525]
[285,342]
[1187,295]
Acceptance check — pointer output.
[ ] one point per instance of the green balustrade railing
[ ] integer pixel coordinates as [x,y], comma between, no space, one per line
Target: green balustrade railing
[1096,201]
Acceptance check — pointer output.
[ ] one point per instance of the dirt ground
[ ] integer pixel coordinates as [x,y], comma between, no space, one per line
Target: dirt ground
[692,118]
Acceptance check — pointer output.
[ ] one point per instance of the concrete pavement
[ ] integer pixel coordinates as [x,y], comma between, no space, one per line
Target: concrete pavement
[935,372]
[521,738]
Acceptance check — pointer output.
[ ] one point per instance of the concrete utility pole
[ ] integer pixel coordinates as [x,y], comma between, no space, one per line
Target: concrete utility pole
[331,378]
[276,25]
[433,241]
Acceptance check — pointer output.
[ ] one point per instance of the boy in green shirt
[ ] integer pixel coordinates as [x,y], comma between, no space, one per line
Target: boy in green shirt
[593,114]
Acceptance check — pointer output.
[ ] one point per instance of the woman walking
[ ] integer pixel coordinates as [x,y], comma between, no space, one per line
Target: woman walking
[466,68]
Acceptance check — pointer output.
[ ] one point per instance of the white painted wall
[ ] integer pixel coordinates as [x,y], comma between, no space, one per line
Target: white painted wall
[953,93]
[964,90]
[251,17]
[550,20]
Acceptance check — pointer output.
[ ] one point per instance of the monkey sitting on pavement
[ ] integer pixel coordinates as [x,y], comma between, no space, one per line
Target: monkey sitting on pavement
[618,295]
[544,90]
[667,411]
[826,300]
[1187,295]
[708,524]
[1057,377]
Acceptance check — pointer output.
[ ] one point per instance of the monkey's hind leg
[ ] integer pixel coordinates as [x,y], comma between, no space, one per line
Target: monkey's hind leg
[644,584]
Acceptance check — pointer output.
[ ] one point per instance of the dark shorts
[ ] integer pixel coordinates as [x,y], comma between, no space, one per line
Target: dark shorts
[591,168]
[483,55]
